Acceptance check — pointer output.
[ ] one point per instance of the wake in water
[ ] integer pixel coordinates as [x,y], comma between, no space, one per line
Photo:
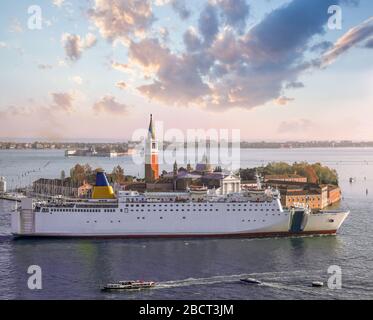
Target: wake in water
[266,278]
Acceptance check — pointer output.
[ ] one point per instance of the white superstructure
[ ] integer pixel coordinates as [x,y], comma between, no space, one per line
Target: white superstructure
[172,214]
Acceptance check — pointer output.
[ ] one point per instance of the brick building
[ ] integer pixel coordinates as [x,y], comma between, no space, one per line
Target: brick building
[314,195]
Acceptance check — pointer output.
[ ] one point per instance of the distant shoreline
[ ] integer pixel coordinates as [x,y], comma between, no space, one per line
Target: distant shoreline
[124,146]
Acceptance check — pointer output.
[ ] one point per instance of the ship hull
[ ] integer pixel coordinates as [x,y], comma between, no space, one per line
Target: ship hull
[173,220]
[183,236]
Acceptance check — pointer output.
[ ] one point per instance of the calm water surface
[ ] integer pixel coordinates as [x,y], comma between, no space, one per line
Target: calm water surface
[195,269]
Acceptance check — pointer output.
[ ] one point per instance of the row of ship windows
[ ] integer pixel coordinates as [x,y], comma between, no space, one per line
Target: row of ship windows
[138,218]
[201,204]
[161,218]
[148,210]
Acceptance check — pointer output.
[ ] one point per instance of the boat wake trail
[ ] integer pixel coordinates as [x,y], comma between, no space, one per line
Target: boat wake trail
[266,279]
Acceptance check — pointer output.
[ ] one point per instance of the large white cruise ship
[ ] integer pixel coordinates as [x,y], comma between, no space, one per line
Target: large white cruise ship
[193,213]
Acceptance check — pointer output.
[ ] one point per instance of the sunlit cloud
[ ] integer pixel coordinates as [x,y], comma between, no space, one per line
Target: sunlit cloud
[282,101]
[121,20]
[108,104]
[74,45]
[121,85]
[351,38]
[62,101]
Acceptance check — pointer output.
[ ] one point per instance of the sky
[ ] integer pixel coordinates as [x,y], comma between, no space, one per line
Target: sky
[276,69]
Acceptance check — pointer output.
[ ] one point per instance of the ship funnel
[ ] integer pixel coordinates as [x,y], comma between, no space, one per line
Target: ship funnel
[102,189]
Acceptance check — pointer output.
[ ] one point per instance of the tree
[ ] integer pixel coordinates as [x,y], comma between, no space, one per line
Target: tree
[63,175]
[325,174]
[247,174]
[77,173]
[315,173]
[117,175]
[278,168]
[88,169]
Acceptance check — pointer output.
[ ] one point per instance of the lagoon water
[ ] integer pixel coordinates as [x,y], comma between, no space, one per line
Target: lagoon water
[190,268]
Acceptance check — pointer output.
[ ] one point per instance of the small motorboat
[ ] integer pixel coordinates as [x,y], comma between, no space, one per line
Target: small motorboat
[317,284]
[129,285]
[251,281]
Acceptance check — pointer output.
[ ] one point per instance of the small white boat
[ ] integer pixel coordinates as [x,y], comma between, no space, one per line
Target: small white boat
[251,281]
[129,285]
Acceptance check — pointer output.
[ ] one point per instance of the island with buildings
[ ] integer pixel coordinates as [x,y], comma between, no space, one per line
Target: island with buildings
[313,185]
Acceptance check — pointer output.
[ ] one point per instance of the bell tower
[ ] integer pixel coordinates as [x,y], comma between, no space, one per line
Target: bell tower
[151,155]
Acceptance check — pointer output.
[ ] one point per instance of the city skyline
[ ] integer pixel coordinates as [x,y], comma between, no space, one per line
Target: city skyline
[273,69]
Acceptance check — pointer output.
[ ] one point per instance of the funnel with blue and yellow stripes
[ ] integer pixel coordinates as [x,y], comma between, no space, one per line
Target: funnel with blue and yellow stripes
[102,189]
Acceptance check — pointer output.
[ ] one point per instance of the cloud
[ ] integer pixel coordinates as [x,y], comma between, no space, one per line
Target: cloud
[62,101]
[322,46]
[15,111]
[226,49]
[192,40]
[122,19]
[3,44]
[283,35]
[123,67]
[58,3]
[176,79]
[164,33]
[110,105]
[74,45]
[208,23]
[180,8]
[16,26]
[369,44]
[160,3]
[271,54]
[43,66]
[77,79]
[295,126]
[282,101]
[121,85]
[222,66]
[235,12]
[351,38]
[295,85]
